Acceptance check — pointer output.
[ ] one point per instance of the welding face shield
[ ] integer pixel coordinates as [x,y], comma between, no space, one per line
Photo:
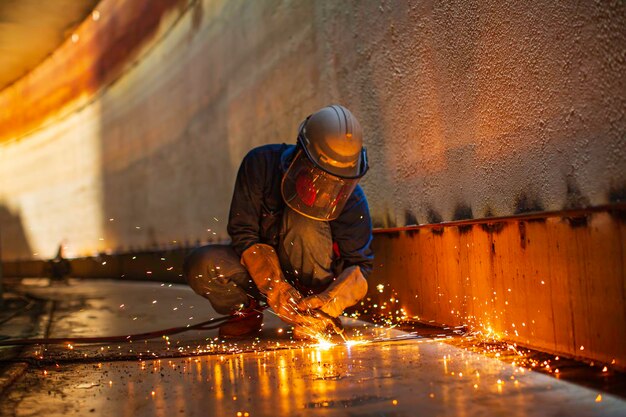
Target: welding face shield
[328,164]
[314,192]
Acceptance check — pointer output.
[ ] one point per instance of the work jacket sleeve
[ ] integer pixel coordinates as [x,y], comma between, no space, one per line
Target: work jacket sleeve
[352,231]
[245,207]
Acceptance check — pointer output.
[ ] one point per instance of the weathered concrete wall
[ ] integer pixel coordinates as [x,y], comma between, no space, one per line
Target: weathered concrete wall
[131,136]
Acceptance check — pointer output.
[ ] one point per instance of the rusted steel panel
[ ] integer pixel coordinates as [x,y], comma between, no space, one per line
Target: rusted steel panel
[601,260]
[553,283]
[24,269]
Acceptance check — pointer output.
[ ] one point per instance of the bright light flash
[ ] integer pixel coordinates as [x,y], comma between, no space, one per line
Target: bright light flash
[324,344]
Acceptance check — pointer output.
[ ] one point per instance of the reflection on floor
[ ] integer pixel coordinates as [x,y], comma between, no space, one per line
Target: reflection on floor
[384,372]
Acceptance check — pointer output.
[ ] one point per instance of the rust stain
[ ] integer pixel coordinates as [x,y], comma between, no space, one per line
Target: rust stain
[522,234]
[493,227]
[77,70]
[577,221]
[465,228]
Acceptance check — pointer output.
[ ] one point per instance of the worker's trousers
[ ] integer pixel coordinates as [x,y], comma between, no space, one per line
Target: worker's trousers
[305,252]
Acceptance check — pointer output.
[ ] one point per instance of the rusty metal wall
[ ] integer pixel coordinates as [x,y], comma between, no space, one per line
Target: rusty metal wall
[554,283]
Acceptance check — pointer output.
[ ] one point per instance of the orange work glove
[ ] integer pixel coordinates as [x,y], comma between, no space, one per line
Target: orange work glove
[345,291]
[263,266]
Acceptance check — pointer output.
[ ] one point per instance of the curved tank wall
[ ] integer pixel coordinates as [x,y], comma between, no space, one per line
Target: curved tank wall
[129,136]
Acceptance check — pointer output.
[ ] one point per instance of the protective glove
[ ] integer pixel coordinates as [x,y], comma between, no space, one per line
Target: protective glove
[345,291]
[310,326]
[263,266]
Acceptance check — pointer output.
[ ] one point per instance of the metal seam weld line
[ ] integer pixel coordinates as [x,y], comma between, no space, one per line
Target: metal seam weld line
[575,213]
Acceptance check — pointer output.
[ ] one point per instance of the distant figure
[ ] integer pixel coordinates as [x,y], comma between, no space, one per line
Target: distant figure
[300,228]
[59,268]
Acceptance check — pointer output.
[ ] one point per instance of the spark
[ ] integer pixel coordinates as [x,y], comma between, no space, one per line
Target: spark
[323,344]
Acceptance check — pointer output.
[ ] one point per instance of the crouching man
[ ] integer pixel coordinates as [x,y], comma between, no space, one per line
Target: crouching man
[300,229]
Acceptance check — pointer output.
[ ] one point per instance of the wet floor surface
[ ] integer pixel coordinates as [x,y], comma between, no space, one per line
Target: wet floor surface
[388,373]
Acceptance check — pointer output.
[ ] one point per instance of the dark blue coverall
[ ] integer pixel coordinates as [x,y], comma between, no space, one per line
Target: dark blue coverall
[311,252]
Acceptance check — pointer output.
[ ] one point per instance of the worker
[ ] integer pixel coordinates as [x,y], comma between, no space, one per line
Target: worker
[300,229]
[59,268]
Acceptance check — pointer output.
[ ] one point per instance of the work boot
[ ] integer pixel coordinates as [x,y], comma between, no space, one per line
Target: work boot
[243,323]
